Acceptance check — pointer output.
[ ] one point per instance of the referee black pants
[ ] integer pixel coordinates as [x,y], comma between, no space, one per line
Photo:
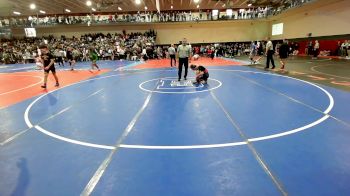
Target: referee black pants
[270,58]
[183,61]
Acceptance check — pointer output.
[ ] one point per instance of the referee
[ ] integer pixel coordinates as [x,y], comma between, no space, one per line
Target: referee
[184,52]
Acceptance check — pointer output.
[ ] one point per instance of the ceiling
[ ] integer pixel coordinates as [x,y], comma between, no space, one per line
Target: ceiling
[79,6]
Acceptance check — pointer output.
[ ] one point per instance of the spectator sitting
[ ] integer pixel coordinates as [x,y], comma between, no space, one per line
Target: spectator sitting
[195,57]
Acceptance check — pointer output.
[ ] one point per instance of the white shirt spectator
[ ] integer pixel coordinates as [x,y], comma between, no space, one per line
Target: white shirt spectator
[121,51]
[171,50]
[317,45]
[269,46]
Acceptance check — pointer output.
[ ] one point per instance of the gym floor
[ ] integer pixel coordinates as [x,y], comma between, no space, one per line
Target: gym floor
[133,129]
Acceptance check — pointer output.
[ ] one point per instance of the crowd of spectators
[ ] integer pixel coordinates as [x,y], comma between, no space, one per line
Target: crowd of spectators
[149,16]
[140,17]
[130,46]
[139,46]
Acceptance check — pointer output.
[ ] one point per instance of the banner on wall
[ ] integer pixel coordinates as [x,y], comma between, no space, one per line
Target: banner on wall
[5,33]
[277,29]
[30,32]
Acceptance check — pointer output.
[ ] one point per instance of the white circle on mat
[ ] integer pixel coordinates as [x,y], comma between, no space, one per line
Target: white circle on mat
[149,85]
[219,145]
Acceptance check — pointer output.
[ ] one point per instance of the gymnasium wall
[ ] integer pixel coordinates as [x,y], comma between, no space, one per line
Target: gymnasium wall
[213,32]
[322,18]
[167,33]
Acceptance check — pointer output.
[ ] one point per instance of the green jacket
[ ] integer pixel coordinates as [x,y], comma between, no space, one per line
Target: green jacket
[93,56]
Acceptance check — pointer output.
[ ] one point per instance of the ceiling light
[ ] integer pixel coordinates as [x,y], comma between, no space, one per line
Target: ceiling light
[171,7]
[88,3]
[67,10]
[17,13]
[119,8]
[249,4]
[93,9]
[146,7]
[196,1]
[43,12]
[32,6]
[197,6]
[224,5]
[138,2]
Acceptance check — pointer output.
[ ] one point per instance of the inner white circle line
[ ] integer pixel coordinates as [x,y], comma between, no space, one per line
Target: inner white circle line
[42,130]
[170,92]
[42,80]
